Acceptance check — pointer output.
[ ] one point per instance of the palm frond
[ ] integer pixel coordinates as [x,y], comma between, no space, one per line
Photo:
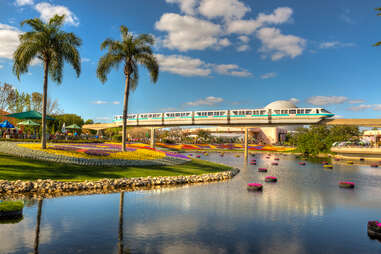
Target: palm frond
[106,63]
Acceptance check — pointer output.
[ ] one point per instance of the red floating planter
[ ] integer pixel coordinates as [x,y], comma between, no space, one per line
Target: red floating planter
[254,187]
[374,165]
[347,185]
[274,163]
[271,179]
[374,229]
[277,159]
[302,163]
[262,169]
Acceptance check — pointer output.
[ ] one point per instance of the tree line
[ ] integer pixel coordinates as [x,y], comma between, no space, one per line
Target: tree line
[14,101]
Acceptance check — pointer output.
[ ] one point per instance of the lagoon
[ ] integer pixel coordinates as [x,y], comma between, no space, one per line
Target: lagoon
[304,212]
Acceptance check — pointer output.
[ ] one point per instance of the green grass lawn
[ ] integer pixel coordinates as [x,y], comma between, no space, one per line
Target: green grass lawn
[14,168]
[10,206]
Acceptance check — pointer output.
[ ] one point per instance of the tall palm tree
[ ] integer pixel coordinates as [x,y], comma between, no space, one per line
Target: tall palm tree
[53,47]
[130,51]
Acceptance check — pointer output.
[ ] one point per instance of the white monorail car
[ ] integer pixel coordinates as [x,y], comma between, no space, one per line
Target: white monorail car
[211,117]
[243,116]
[150,119]
[178,118]
[298,115]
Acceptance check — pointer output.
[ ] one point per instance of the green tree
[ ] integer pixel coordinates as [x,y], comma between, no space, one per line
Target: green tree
[204,135]
[378,14]
[130,51]
[53,46]
[89,121]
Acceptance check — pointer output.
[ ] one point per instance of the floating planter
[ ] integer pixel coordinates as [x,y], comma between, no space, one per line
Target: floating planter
[328,166]
[253,155]
[336,159]
[206,154]
[362,159]
[190,154]
[348,185]
[374,165]
[324,162]
[262,169]
[198,156]
[274,163]
[302,163]
[350,162]
[254,187]
[221,155]
[253,163]
[374,229]
[237,156]
[271,179]
[267,157]
[11,210]
[277,159]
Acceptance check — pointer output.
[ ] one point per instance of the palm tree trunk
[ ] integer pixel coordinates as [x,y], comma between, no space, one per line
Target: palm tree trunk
[125,108]
[38,222]
[44,101]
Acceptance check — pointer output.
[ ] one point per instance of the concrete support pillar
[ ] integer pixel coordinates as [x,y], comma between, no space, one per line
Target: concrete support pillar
[152,138]
[246,155]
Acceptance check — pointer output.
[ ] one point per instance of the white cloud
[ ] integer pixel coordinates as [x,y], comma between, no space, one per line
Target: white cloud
[268,75]
[187,66]
[24,2]
[99,102]
[377,107]
[361,107]
[294,100]
[242,48]
[279,16]
[9,40]
[182,65]
[48,11]
[326,100]
[228,9]
[244,38]
[208,101]
[85,60]
[224,42]
[356,101]
[335,44]
[232,70]
[279,45]
[103,118]
[345,16]
[186,6]
[116,102]
[1,66]
[35,61]
[187,33]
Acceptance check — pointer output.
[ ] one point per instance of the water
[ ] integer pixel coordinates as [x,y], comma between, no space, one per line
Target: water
[305,212]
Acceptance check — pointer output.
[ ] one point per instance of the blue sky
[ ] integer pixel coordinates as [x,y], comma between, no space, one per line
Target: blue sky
[214,54]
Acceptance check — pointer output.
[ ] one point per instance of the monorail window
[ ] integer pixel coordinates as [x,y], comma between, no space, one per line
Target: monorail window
[292,111]
[277,112]
[317,111]
[256,112]
[262,112]
[248,112]
[300,111]
[325,111]
[284,112]
[308,111]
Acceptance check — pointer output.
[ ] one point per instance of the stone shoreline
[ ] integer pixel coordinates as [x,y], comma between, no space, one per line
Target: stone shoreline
[56,188]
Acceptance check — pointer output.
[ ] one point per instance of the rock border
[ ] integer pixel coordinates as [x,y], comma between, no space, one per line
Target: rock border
[12,148]
[52,187]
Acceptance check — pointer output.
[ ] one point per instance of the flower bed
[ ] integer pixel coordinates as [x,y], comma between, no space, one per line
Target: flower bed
[254,187]
[105,151]
[224,147]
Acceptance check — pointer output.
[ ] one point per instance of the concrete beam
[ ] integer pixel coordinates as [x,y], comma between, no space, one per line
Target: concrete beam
[356,122]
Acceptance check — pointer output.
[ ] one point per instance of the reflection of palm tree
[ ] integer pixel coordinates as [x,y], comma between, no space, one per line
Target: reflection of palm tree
[38,222]
[121,222]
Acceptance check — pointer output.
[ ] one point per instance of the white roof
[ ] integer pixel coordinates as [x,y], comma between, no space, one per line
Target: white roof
[280,105]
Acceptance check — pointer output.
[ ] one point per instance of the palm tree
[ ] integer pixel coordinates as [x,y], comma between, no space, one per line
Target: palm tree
[48,43]
[378,14]
[130,51]
[38,223]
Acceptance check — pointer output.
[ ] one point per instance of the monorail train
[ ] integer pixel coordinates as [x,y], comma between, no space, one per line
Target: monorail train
[235,116]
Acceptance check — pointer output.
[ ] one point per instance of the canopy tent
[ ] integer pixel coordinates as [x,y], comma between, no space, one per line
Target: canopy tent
[6,124]
[29,115]
[28,123]
[73,126]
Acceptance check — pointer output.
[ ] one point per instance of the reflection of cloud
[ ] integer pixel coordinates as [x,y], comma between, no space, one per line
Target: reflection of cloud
[14,236]
[180,247]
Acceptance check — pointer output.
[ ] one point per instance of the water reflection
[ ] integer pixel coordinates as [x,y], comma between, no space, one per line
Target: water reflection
[304,212]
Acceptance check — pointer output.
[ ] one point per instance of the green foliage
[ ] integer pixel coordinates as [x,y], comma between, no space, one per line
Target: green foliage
[89,121]
[319,138]
[204,136]
[11,206]
[378,14]
[68,119]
